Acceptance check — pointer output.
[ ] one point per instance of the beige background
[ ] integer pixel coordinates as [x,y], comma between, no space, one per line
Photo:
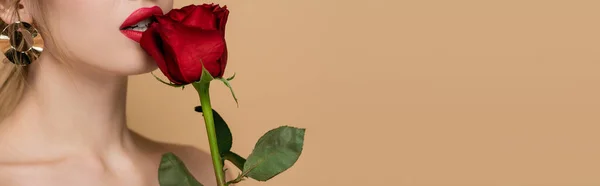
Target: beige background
[406,92]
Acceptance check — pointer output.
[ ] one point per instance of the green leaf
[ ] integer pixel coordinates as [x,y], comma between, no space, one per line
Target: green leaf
[224,136]
[172,172]
[275,152]
[226,81]
[167,83]
[205,77]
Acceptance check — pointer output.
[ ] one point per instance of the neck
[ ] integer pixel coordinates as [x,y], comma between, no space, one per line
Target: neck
[72,107]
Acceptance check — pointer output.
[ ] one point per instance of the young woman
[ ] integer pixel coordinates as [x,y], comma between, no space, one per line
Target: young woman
[62,117]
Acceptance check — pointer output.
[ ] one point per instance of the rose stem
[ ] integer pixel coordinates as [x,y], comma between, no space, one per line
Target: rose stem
[203,92]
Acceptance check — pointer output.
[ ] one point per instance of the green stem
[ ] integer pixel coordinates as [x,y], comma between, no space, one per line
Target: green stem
[236,159]
[203,92]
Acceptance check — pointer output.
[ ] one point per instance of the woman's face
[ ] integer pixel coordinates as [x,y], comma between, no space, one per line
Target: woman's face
[91,32]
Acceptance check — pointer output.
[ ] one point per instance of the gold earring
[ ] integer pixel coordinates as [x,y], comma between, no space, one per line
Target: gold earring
[21,43]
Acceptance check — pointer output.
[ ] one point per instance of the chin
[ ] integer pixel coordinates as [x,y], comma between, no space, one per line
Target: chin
[146,69]
[135,68]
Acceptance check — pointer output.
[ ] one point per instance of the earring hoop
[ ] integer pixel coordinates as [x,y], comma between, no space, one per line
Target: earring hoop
[20,43]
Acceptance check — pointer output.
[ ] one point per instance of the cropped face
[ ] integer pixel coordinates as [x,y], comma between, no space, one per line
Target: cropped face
[102,34]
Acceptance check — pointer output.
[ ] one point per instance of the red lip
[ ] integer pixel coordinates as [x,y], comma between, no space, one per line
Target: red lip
[136,17]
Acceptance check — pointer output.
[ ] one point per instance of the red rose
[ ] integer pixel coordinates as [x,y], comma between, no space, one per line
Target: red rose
[183,40]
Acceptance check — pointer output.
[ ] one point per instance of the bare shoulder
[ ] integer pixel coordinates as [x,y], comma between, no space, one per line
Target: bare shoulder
[199,162]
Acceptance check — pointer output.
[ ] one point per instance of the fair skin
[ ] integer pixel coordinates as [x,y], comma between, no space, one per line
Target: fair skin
[70,127]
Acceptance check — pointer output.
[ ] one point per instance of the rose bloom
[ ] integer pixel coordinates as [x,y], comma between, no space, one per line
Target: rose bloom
[184,40]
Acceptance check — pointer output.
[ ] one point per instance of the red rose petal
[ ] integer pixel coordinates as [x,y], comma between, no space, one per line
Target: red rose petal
[168,49]
[201,18]
[192,48]
[223,61]
[223,15]
[152,44]
[179,14]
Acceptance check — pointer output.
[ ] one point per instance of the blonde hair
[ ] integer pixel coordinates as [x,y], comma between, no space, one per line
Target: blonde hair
[13,77]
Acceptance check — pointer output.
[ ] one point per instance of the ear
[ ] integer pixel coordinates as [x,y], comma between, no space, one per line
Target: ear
[10,8]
